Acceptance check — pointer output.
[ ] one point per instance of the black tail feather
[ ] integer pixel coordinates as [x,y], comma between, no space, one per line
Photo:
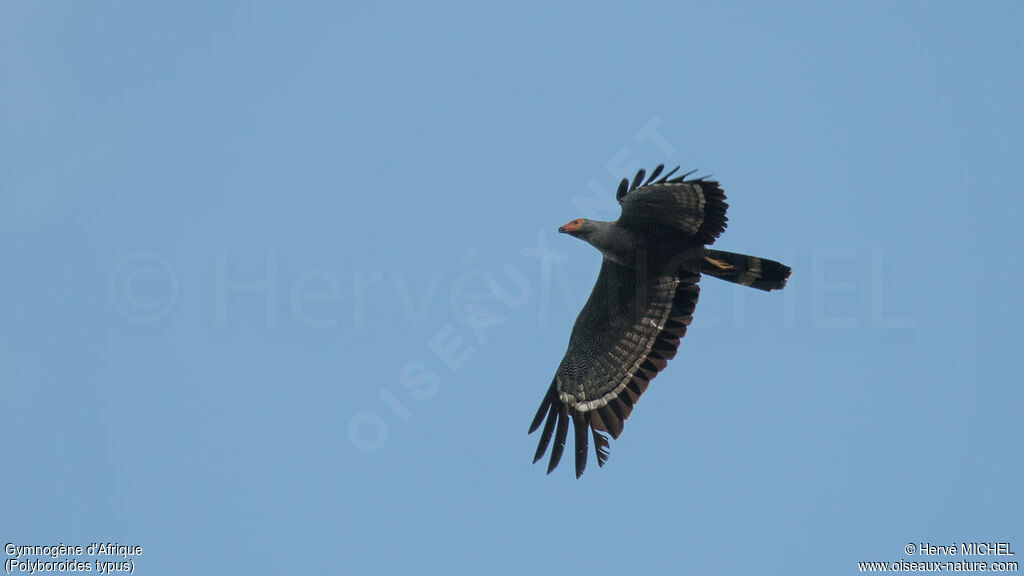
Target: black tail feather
[752,271]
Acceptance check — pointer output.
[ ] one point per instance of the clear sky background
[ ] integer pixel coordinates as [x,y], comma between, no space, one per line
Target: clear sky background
[240,241]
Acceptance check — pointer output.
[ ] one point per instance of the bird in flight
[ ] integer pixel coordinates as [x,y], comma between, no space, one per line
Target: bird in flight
[644,298]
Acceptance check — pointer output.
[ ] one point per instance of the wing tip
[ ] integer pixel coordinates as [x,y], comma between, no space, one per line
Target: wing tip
[556,418]
[561,433]
[580,424]
[601,447]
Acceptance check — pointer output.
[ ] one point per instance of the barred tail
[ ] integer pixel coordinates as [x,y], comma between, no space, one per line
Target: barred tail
[752,271]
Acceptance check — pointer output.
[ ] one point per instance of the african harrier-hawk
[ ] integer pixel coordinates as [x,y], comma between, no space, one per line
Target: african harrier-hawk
[630,327]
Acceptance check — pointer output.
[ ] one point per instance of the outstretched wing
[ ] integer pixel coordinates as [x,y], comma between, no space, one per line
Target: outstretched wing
[696,207]
[626,333]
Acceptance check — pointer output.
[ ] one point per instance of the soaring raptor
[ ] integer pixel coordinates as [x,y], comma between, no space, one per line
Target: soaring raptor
[630,327]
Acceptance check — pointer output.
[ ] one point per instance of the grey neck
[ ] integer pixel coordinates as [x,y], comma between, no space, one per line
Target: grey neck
[616,243]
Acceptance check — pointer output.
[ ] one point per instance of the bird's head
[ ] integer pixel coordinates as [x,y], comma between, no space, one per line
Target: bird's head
[577,227]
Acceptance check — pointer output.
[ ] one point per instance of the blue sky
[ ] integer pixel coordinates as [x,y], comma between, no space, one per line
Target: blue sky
[242,244]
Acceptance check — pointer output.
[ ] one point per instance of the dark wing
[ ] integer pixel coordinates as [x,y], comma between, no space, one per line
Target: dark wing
[696,207]
[626,333]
